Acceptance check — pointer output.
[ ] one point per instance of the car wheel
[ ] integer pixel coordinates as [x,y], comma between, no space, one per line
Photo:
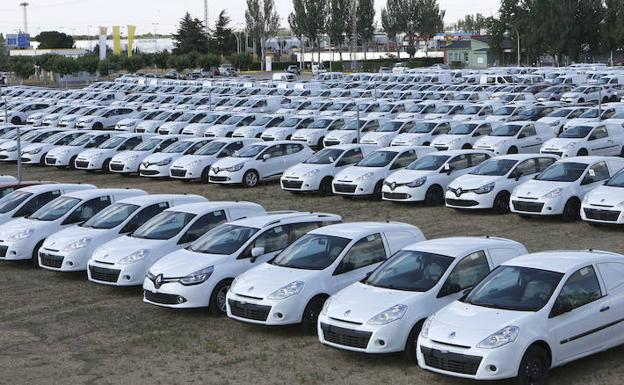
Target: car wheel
[98,126]
[42,160]
[622,153]
[582,152]
[72,161]
[409,353]
[105,166]
[311,313]
[16,121]
[288,137]
[512,150]
[377,190]
[434,196]
[501,203]
[35,254]
[581,100]
[251,178]
[534,367]
[218,297]
[571,210]
[467,146]
[605,100]
[325,188]
[204,175]
[320,144]
[426,144]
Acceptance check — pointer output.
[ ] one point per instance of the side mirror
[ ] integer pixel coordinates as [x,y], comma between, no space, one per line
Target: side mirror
[255,253]
[561,307]
[449,289]
[266,156]
[518,175]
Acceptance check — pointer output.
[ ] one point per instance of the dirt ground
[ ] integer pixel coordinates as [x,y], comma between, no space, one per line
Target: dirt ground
[61,329]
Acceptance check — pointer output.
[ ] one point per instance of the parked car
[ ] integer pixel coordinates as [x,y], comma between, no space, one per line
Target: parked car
[99,158]
[595,138]
[35,153]
[515,138]
[62,156]
[105,118]
[157,164]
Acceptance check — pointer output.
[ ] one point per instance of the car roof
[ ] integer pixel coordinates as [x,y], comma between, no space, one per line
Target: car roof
[354,230]
[206,207]
[458,247]
[563,261]
[590,159]
[285,217]
[525,156]
[460,152]
[39,188]
[96,192]
[156,198]
[349,146]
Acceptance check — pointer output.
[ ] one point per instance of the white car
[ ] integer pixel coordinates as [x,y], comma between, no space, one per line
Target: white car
[152,125]
[585,94]
[604,204]
[463,135]
[200,275]
[349,133]
[560,188]
[315,133]
[35,153]
[559,117]
[199,128]
[366,177]
[258,126]
[125,260]
[8,149]
[384,312]
[426,179]
[383,136]
[197,165]
[71,248]
[593,138]
[26,200]
[128,162]
[64,156]
[293,287]
[317,172]
[157,165]
[106,118]
[611,111]
[286,129]
[176,126]
[54,118]
[36,119]
[130,124]
[20,114]
[227,128]
[516,138]
[69,121]
[99,158]
[423,133]
[21,238]
[504,113]
[258,162]
[535,312]
[489,186]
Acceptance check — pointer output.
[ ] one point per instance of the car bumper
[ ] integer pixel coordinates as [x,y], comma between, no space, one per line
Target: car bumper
[362,337]
[264,312]
[300,184]
[56,160]
[226,177]
[58,260]
[8,156]
[124,168]
[15,251]
[84,164]
[176,295]
[353,188]
[601,214]
[470,200]
[404,194]
[116,275]
[154,171]
[537,207]
[185,172]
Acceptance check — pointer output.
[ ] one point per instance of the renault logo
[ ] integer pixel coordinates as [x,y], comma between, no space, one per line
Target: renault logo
[452,335]
[158,281]
[250,288]
[393,185]
[347,313]
[216,170]
[458,192]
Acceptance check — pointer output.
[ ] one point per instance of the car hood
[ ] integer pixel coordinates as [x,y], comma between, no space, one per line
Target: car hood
[302,168]
[492,141]
[447,139]
[170,125]
[266,278]
[188,159]
[536,188]
[570,95]
[157,157]
[227,162]
[471,182]
[406,176]
[184,262]
[559,142]
[375,136]
[61,149]
[150,123]
[220,128]
[95,152]
[606,195]
[63,238]
[306,132]
[125,155]
[248,130]
[277,130]
[19,224]
[353,172]
[119,248]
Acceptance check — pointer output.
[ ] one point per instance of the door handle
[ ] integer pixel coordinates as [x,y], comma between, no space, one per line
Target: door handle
[602,310]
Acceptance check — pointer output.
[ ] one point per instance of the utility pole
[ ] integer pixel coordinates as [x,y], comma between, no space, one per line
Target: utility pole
[206,18]
[25,5]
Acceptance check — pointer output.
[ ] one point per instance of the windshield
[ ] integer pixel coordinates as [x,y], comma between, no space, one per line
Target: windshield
[515,288]
[233,119]
[54,138]
[249,151]
[590,114]
[472,110]
[494,167]
[378,159]
[177,147]
[320,124]
[312,252]
[576,132]
[411,271]
[164,225]
[261,121]
[463,129]
[507,130]
[352,125]
[111,216]
[616,181]
[292,122]
[223,240]
[148,145]
[11,201]
[563,172]
[415,108]
[429,163]
[209,118]
[113,142]
[390,126]
[325,156]
[422,128]
[55,209]
[30,135]
[559,113]
[504,111]
[82,140]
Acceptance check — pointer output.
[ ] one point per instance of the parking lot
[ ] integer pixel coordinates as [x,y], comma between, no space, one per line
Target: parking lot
[59,328]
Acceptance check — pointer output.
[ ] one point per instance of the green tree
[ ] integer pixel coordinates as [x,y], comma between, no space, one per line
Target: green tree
[365,23]
[296,21]
[336,26]
[392,21]
[431,21]
[612,29]
[242,61]
[54,39]
[262,23]
[223,40]
[472,23]
[316,14]
[3,53]
[190,37]
[22,66]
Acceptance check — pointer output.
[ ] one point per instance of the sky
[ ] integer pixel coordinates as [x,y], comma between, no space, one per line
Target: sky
[84,16]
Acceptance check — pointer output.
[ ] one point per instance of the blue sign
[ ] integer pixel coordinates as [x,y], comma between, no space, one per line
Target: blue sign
[19,41]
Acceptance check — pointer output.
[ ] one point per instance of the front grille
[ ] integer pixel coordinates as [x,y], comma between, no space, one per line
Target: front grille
[331,142]
[140,130]
[3,251]
[602,215]
[529,207]
[344,188]
[218,178]
[50,160]
[346,337]
[249,310]
[149,172]
[4,156]
[164,298]
[558,153]
[268,139]
[116,167]
[104,274]
[451,362]
[50,260]
[163,132]
[461,202]
[294,184]
[209,135]
[177,172]
[81,164]
[394,195]
[441,148]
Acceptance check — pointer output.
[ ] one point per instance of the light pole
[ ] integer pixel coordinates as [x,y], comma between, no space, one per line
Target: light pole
[155,25]
[89,35]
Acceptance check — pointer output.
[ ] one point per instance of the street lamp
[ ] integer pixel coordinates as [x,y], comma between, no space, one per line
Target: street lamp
[507,34]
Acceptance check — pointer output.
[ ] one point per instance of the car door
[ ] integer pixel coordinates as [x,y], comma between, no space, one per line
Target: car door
[271,241]
[292,155]
[469,271]
[600,143]
[579,315]
[612,274]
[349,158]
[595,175]
[528,140]
[363,256]
[270,166]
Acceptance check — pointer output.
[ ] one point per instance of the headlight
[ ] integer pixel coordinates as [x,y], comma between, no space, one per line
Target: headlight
[22,234]
[33,151]
[418,182]
[485,189]
[326,306]
[132,158]
[366,176]
[236,167]
[553,194]
[289,290]
[197,277]
[568,146]
[194,163]
[134,257]
[79,244]
[555,123]
[502,337]
[11,149]
[424,332]
[389,315]
[311,173]
[163,162]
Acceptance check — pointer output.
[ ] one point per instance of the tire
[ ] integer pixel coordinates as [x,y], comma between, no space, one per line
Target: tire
[534,367]
[35,254]
[582,152]
[467,146]
[320,144]
[434,196]
[288,137]
[409,352]
[426,144]
[605,100]
[229,134]
[105,168]
[204,175]
[581,100]
[501,203]
[71,162]
[217,297]
[42,160]
[512,150]
[16,121]
[311,313]
[622,153]
[98,126]
[325,188]
[571,210]
[251,179]
[377,190]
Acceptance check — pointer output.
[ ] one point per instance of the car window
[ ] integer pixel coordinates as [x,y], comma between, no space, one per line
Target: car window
[442,129]
[405,159]
[275,151]
[467,273]
[351,157]
[544,163]
[202,225]
[485,129]
[596,173]
[87,210]
[230,149]
[476,159]
[459,162]
[527,167]
[580,289]
[130,143]
[292,148]
[527,132]
[36,203]
[143,216]
[299,229]
[274,239]
[366,251]
[599,133]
